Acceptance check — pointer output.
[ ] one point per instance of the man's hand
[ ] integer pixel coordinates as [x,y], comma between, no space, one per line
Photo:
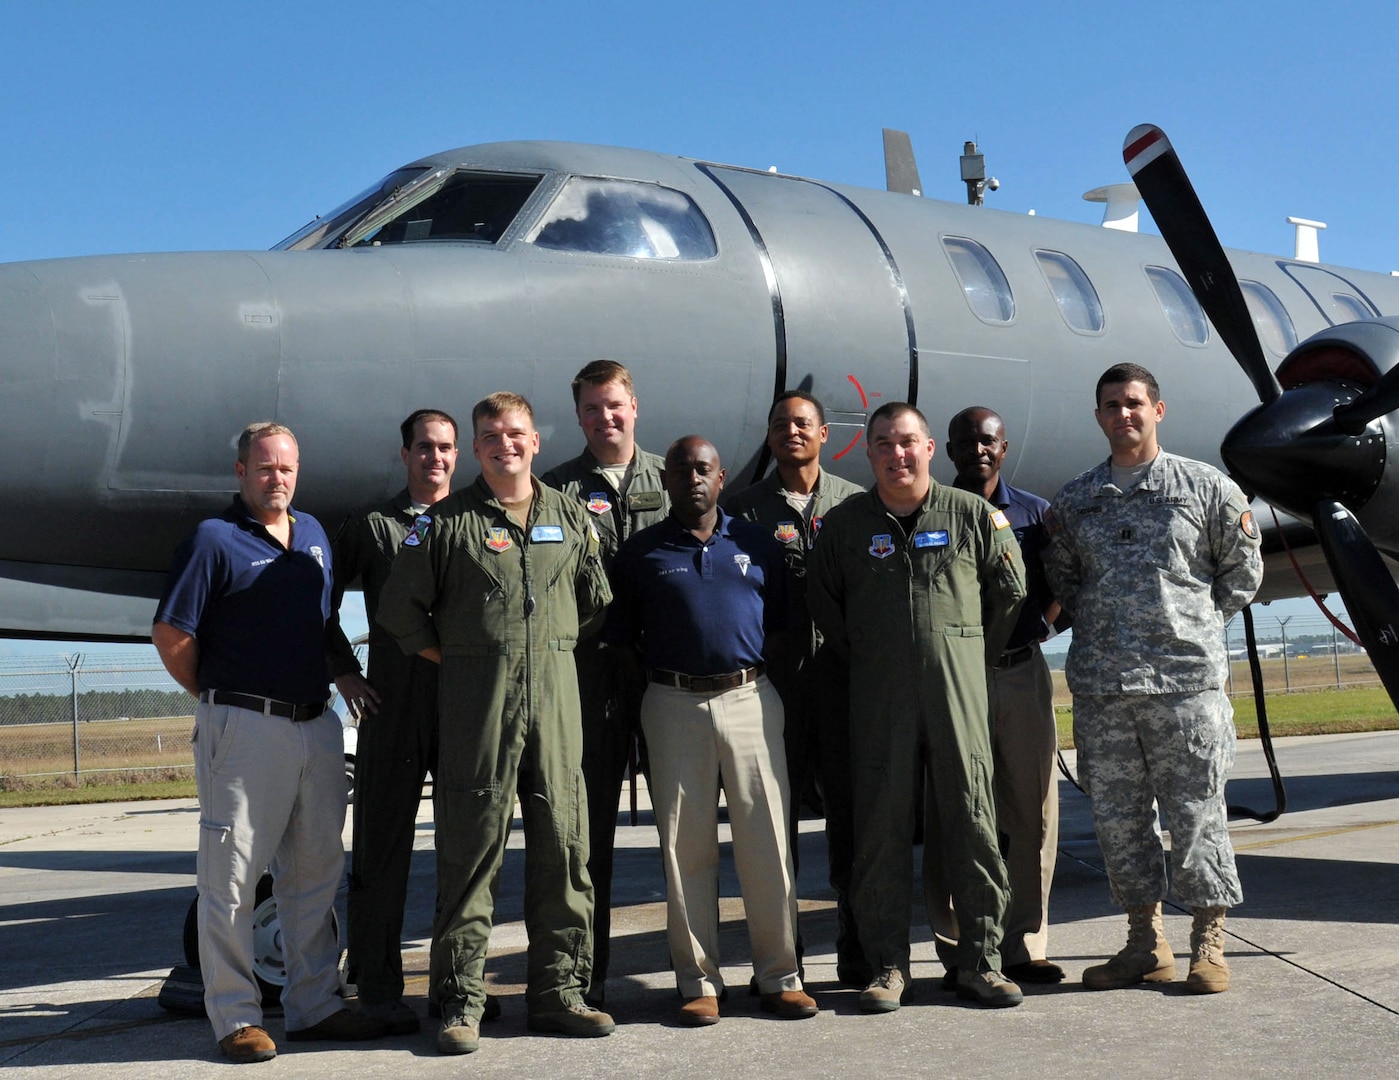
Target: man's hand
[357,694]
[433,653]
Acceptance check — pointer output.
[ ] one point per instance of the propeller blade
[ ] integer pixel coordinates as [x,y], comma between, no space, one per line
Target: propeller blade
[1365,585]
[1186,228]
[1379,400]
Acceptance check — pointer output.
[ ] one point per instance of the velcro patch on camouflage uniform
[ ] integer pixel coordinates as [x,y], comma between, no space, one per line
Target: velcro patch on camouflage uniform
[1248,525]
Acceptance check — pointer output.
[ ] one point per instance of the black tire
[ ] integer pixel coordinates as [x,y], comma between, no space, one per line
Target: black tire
[268,966]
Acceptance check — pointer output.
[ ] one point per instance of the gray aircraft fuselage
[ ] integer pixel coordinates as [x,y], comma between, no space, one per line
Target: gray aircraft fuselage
[127,378]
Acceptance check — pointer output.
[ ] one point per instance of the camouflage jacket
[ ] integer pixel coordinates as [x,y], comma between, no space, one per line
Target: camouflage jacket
[1151,575]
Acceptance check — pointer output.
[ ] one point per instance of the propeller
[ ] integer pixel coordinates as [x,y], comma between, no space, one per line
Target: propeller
[1299,449]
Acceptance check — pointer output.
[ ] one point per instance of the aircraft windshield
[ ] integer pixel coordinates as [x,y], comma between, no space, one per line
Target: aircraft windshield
[457,205]
[624,217]
[319,231]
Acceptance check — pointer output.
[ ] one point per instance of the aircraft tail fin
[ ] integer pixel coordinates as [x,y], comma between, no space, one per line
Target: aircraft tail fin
[900,167]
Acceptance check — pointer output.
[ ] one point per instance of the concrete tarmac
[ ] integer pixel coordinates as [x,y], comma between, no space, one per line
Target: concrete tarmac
[93,900]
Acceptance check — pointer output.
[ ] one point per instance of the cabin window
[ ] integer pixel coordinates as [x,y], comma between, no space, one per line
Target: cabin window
[1270,318]
[984,285]
[458,205]
[1178,304]
[625,217]
[1073,292]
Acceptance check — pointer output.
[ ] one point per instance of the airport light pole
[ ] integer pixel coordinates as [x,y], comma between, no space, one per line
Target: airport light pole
[1286,673]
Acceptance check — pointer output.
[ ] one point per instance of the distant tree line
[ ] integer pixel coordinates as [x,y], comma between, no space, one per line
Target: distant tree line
[94,705]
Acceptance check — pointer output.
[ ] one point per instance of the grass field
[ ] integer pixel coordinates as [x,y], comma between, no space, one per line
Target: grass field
[151,758]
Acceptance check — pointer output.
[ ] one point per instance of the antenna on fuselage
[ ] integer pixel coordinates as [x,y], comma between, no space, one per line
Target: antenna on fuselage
[1304,246]
[974,175]
[900,168]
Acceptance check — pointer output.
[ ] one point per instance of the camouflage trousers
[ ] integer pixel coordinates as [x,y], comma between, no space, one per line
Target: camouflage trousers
[1138,752]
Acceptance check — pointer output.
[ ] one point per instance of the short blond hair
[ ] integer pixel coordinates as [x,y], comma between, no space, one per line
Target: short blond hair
[261,429]
[498,404]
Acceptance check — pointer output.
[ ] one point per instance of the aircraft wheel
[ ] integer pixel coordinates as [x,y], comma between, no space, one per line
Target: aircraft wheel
[269,965]
[349,778]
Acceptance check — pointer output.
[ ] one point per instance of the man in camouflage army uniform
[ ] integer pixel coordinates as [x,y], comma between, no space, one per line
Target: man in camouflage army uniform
[397,711]
[620,485]
[814,683]
[919,584]
[1152,554]
[493,584]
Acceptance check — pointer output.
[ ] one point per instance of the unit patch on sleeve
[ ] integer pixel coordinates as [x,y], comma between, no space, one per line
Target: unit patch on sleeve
[418,533]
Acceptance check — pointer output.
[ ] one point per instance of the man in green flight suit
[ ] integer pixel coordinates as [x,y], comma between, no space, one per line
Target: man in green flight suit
[792,501]
[620,485]
[397,712]
[493,584]
[919,583]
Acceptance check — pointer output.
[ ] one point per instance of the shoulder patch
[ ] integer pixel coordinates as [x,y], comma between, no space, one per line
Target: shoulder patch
[1248,525]
[999,519]
[418,533]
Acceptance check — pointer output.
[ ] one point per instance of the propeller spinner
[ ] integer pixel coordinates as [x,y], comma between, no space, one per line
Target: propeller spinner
[1317,448]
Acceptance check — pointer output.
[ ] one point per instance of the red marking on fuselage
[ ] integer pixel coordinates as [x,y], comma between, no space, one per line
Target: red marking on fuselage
[864,401]
[864,404]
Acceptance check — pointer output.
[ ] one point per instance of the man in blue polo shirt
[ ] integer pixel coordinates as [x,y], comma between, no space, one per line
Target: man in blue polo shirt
[700,596]
[1024,740]
[242,626]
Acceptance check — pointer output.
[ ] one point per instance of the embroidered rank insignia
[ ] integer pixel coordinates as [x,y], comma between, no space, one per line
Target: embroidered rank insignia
[1249,526]
[418,533]
[936,538]
[742,562]
[999,519]
[318,555]
[546,534]
[498,540]
[882,545]
[599,503]
[786,531]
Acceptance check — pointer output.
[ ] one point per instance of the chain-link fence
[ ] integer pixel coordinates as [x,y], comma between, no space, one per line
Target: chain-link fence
[117,715]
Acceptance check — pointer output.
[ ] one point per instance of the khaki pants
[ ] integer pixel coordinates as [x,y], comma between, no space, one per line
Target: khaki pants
[270,792]
[696,739]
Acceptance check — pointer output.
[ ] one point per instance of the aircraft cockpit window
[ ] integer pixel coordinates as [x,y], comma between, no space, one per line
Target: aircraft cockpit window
[463,206]
[1179,305]
[984,285]
[625,217]
[1270,318]
[1073,292]
[320,231]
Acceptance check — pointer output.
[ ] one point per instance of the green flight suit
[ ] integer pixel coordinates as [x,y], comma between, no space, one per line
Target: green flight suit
[504,604]
[918,613]
[397,748]
[814,685]
[611,710]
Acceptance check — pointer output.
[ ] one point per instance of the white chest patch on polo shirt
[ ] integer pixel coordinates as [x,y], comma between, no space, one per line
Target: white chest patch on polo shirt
[743,562]
[318,555]
[546,534]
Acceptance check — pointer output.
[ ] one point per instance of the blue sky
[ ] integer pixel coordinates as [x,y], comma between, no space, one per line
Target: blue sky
[174,126]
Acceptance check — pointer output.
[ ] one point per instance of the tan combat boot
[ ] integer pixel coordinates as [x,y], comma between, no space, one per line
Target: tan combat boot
[1209,971]
[1145,958]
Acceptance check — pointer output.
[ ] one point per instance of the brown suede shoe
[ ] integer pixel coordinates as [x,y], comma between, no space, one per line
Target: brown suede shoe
[700,1011]
[790,1005]
[248,1044]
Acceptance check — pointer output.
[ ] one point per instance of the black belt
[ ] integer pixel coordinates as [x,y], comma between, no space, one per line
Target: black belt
[297,714]
[706,684]
[1012,657]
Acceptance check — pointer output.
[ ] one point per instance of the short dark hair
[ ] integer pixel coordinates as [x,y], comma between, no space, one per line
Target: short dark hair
[965,417]
[892,410]
[421,416]
[600,373]
[498,404]
[799,395]
[1125,373]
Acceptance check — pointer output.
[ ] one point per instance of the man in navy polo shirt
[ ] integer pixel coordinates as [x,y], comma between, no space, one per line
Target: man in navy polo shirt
[1024,740]
[242,626]
[700,596]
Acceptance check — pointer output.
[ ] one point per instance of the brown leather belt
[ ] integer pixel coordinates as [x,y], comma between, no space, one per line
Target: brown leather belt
[297,714]
[1012,657]
[706,684]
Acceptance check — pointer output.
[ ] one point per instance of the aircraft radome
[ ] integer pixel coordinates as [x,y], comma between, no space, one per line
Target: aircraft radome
[510,265]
